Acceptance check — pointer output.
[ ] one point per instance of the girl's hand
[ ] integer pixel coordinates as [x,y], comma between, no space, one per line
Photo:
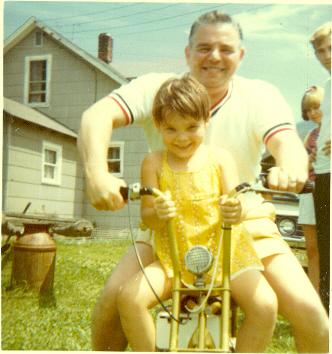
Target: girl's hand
[164,206]
[231,210]
[327,148]
[312,156]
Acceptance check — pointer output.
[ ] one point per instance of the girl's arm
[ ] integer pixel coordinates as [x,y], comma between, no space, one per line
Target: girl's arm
[231,209]
[154,211]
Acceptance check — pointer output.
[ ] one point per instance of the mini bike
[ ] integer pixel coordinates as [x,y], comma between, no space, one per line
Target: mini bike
[201,318]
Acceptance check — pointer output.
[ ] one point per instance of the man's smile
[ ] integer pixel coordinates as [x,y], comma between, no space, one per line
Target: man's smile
[213,69]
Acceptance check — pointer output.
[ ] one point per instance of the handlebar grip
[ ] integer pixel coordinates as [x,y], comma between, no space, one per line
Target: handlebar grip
[124,193]
[135,191]
[308,187]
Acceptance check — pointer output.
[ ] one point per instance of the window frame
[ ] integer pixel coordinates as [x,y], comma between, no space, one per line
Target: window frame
[58,165]
[120,145]
[28,60]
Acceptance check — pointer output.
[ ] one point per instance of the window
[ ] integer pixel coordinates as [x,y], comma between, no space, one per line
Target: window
[52,161]
[37,80]
[38,39]
[115,158]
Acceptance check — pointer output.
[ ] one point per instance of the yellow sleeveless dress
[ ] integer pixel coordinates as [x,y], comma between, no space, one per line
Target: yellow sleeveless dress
[198,221]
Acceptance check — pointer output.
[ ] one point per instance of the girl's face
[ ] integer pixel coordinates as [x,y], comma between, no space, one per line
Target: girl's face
[182,135]
[314,113]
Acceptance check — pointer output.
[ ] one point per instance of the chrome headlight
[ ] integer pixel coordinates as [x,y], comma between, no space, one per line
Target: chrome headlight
[286,226]
[198,260]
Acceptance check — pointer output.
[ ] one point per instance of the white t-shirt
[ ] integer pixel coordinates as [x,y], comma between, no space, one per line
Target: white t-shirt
[322,163]
[242,123]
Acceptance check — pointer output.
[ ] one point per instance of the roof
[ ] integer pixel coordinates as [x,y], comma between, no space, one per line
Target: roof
[31,115]
[32,23]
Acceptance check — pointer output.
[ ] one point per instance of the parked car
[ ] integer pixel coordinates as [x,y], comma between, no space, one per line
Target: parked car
[287,208]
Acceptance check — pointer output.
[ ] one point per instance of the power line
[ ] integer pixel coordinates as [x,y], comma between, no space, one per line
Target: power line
[122,16]
[89,13]
[158,30]
[147,22]
[169,27]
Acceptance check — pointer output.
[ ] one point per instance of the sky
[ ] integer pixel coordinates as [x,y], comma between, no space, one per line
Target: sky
[151,36]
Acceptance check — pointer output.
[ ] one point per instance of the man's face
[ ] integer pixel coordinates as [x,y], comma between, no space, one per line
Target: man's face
[323,52]
[214,54]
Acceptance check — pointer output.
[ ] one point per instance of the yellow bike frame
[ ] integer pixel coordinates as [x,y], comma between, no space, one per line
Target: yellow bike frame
[224,291]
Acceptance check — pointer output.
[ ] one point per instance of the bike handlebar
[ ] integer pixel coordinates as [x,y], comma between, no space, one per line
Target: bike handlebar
[135,191]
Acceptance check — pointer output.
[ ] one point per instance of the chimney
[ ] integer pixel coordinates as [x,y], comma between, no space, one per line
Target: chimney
[105,47]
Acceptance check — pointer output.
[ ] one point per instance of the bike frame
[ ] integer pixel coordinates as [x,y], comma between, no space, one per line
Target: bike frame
[224,292]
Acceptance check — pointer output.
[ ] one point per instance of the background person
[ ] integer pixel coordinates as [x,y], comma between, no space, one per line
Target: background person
[310,107]
[246,116]
[321,42]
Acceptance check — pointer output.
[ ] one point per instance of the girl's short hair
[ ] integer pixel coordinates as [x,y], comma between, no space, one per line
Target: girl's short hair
[321,33]
[184,96]
[313,96]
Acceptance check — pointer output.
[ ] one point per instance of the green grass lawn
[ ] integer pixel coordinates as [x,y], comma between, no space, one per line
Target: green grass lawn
[81,271]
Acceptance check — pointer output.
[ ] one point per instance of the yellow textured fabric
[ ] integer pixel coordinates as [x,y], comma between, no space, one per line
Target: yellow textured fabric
[198,221]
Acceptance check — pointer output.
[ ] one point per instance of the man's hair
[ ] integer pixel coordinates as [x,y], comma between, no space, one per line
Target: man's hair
[214,18]
[321,33]
[184,96]
[312,97]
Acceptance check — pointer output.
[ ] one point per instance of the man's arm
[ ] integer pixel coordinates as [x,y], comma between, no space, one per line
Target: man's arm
[291,171]
[95,133]
[231,208]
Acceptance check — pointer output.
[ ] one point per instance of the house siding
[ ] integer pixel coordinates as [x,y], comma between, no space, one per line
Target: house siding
[75,85]
[22,172]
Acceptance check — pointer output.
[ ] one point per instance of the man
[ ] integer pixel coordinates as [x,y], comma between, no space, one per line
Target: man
[247,115]
[321,42]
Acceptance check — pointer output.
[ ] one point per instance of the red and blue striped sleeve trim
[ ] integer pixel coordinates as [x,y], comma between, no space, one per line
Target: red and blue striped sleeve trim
[215,108]
[124,107]
[275,130]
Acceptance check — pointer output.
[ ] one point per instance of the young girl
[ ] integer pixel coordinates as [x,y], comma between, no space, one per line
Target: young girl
[195,180]
[310,106]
